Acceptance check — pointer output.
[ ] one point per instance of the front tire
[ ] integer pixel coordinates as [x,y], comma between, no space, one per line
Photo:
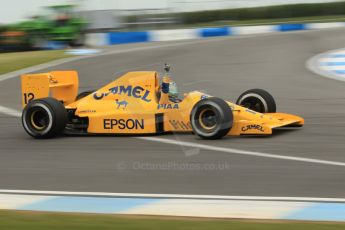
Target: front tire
[258,100]
[44,118]
[211,118]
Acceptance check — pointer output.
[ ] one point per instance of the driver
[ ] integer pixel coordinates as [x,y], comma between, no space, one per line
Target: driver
[169,91]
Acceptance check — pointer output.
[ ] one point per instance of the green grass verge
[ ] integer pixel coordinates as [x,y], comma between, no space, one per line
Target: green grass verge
[14,61]
[38,220]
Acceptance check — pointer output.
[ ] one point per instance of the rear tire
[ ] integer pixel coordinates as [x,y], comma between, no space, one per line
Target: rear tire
[258,100]
[44,118]
[84,94]
[211,118]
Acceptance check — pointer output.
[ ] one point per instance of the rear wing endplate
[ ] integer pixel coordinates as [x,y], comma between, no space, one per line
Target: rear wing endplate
[61,85]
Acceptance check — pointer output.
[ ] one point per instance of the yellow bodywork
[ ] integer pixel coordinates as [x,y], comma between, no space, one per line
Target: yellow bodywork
[130,105]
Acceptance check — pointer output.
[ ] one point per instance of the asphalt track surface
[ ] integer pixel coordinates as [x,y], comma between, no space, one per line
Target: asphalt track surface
[223,67]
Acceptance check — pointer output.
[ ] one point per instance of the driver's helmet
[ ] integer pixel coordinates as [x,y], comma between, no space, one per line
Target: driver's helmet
[173,91]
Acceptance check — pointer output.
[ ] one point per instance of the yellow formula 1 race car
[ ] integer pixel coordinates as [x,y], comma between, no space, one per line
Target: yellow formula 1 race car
[137,103]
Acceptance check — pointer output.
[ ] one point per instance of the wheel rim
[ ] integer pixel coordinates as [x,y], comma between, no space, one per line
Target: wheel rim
[208,119]
[39,119]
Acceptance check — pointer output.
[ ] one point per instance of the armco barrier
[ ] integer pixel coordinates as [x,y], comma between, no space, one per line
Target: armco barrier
[113,38]
[128,37]
[244,30]
[214,32]
[97,39]
[291,27]
[318,26]
[168,35]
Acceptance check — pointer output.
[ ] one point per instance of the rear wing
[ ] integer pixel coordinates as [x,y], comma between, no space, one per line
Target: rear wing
[61,85]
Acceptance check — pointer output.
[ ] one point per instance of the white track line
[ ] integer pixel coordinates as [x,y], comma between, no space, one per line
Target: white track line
[171,196]
[242,152]
[15,113]
[10,112]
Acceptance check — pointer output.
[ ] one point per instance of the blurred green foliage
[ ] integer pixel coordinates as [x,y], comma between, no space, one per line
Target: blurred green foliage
[267,12]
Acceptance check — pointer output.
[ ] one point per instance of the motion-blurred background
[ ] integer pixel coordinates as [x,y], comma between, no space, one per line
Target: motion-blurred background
[42,24]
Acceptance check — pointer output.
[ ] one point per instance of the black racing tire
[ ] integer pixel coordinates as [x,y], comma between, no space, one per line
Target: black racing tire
[211,118]
[258,100]
[44,118]
[84,94]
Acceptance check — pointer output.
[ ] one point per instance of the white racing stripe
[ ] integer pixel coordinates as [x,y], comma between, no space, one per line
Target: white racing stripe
[15,113]
[177,196]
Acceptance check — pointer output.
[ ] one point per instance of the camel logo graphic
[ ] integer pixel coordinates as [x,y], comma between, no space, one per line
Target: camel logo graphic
[123,103]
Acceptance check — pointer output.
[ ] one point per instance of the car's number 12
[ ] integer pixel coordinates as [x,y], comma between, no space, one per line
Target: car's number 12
[28,97]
